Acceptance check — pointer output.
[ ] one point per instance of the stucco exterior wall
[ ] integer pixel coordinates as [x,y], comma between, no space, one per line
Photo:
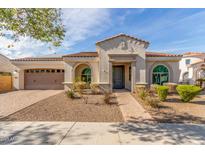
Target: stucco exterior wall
[5,64]
[127,81]
[71,64]
[121,46]
[184,67]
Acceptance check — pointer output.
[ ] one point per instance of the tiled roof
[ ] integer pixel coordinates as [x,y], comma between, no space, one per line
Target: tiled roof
[121,34]
[194,53]
[88,54]
[82,54]
[37,59]
[157,54]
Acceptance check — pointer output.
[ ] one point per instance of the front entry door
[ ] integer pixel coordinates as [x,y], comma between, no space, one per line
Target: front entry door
[118,77]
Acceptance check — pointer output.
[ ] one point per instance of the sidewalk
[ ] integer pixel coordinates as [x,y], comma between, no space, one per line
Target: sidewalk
[100,133]
[131,109]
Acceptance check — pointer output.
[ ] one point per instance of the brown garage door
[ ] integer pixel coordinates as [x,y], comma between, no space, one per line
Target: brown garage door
[44,79]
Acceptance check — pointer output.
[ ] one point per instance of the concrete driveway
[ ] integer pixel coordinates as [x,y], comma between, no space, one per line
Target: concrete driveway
[100,133]
[14,101]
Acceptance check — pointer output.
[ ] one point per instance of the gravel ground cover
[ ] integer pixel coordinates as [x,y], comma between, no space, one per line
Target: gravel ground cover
[175,111]
[62,108]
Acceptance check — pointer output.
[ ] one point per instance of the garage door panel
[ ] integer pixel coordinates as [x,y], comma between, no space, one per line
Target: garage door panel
[44,80]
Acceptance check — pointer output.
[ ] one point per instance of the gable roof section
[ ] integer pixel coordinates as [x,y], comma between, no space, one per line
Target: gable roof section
[82,54]
[121,34]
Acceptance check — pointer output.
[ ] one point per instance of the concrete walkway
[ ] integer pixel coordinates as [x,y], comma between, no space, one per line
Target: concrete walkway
[14,101]
[100,133]
[131,109]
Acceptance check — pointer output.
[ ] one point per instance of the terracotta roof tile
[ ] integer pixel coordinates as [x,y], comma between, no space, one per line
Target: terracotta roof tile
[188,54]
[121,34]
[89,54]
[37,59]
[157,54]
[82,54]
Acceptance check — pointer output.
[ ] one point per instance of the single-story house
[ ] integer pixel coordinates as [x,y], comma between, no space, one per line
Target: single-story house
[119,62]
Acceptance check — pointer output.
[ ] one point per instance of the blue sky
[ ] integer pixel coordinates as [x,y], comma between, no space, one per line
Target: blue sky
[168,30]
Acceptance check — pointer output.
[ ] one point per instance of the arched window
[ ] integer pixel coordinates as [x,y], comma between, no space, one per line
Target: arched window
[86,75]
[160,75]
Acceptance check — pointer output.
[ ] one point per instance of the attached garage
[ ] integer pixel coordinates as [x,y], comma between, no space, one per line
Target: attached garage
[44,79]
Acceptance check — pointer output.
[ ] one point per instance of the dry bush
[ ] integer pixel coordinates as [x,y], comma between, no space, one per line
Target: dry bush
[147,97]
[152,102]
[107,97]
[79,86]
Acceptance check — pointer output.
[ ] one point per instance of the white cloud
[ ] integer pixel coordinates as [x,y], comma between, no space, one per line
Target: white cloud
[84,23]
[26,47]
[80,24]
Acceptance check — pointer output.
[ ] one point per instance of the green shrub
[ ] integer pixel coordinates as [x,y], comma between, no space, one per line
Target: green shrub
[162,92]
[188,92]
[71,94]
[152,102]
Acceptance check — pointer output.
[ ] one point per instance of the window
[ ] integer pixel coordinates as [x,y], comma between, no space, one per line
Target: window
[86,75]
[188,61]
[160,75]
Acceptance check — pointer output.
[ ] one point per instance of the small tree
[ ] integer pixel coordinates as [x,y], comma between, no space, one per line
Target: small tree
[41,24]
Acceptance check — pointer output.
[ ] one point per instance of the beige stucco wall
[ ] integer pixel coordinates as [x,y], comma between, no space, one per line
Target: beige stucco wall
[5,64]
[126,47]
[172,63]
[185,68]
[127,81]
[71,64]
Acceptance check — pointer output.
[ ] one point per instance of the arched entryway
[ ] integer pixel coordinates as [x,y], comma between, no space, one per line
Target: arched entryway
[83,73]
[160,74]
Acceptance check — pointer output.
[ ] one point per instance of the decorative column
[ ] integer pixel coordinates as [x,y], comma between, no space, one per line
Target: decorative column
[133,75]
[110,76]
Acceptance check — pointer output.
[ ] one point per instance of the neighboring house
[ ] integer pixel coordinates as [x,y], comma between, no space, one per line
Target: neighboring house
[6,69]
[119,62]
[5,64]
[192,66]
